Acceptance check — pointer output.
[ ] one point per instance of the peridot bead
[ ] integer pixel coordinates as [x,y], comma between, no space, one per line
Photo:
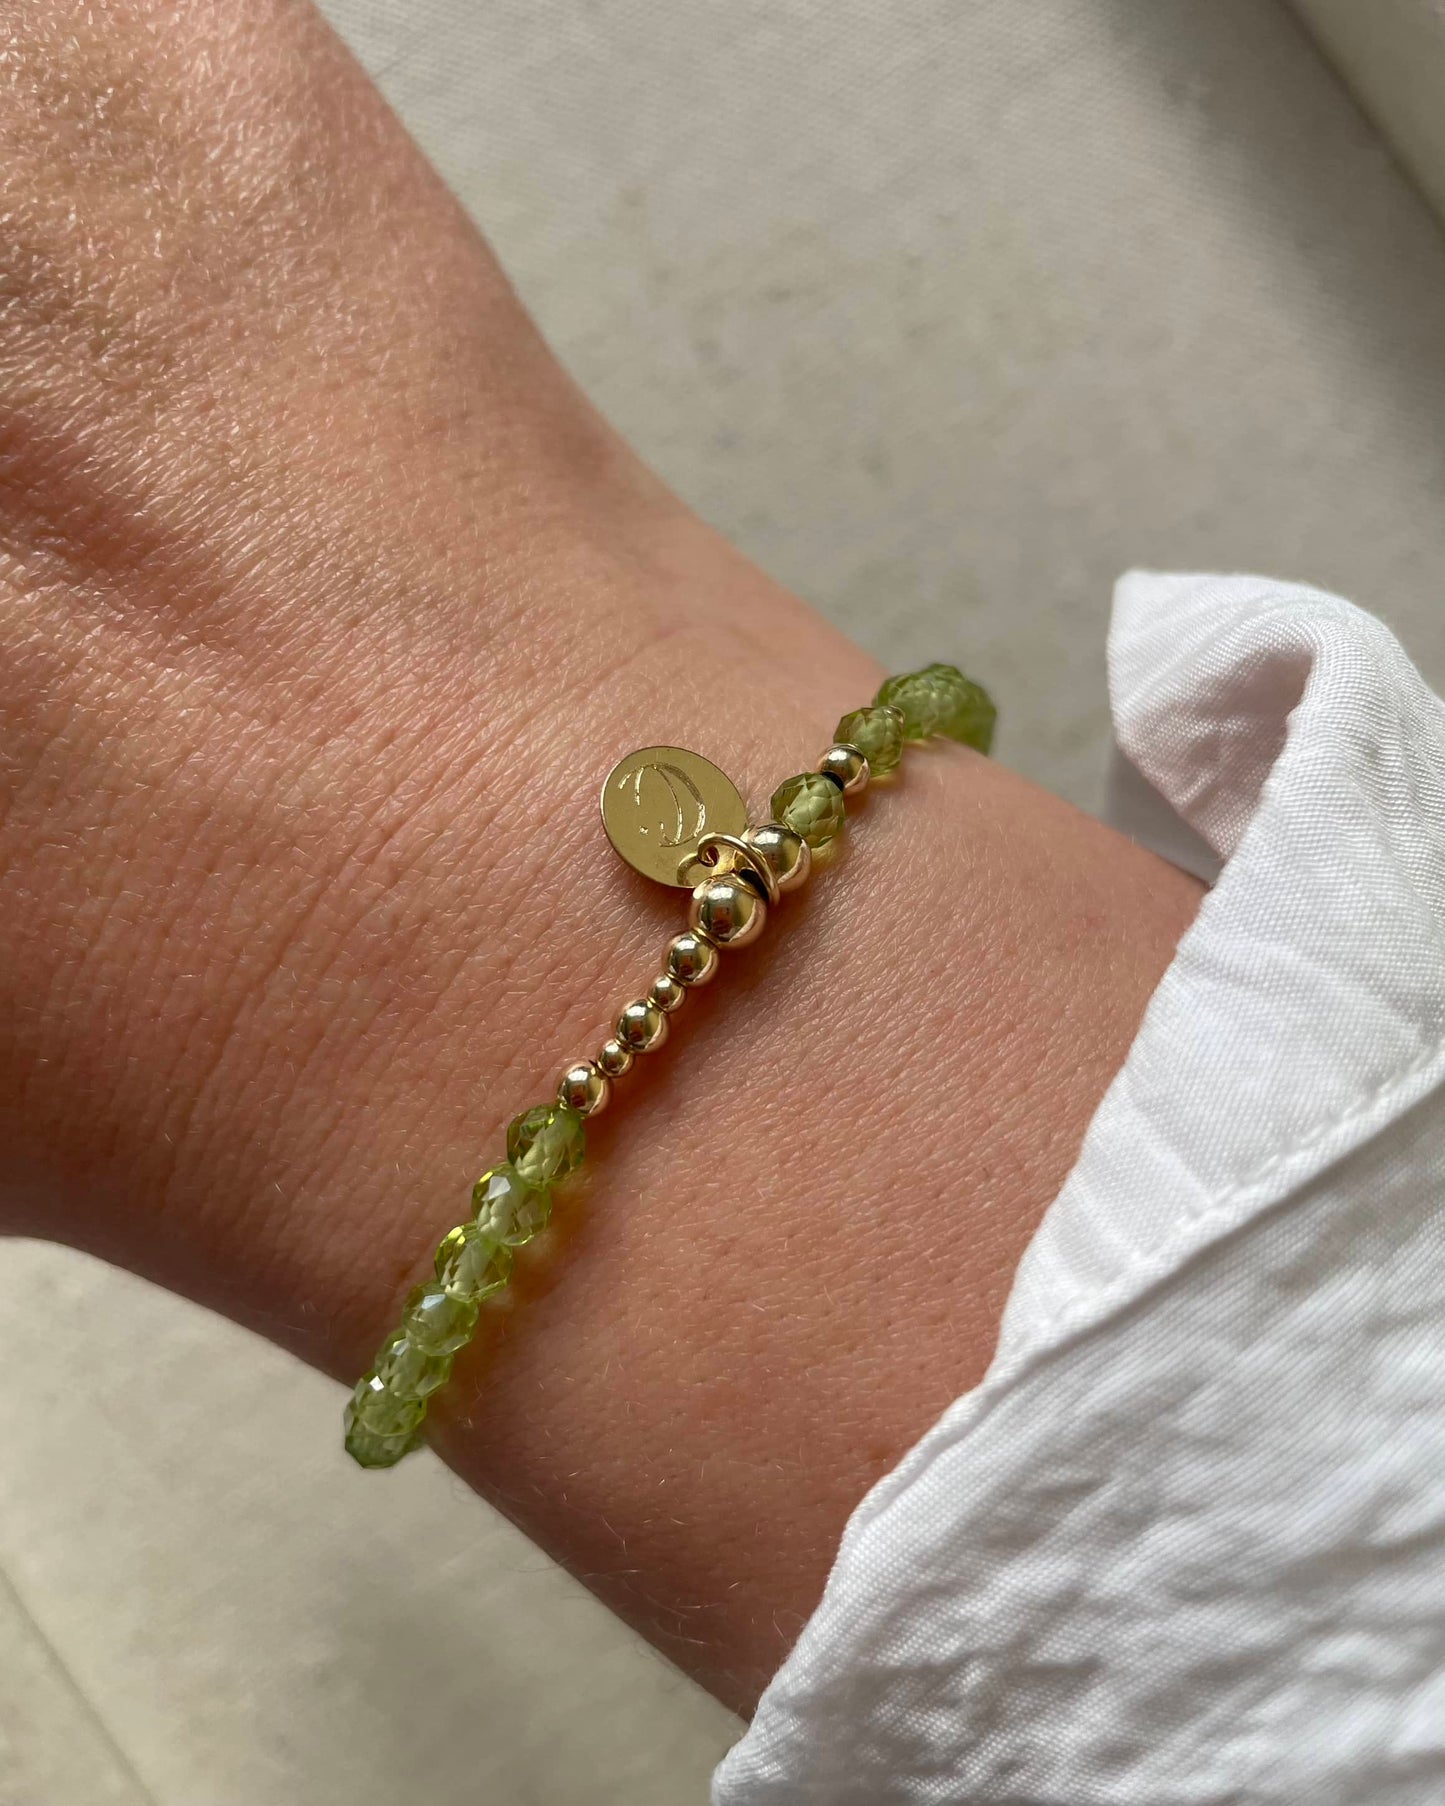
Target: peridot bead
[410,1371]
[368,1449]
[438,1321]
[878,735]
[940,700]
[970,714]
[920,698]
[508,1210]
[473,1264]
[545,1143]
[384,1412]
[811,805]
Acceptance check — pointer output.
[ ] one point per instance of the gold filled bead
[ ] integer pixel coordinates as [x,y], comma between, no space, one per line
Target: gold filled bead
[690,959]
[642,1026]
[727,910]
[847,767]
[584,1088]
[666,992]
[613,1058]
[787,853]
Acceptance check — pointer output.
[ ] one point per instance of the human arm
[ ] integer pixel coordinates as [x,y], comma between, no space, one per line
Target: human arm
[326,602]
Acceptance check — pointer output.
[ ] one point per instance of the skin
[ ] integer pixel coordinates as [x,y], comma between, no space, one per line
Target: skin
[326,602]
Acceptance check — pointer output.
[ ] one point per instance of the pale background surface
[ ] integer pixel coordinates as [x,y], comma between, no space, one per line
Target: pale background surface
[945,313]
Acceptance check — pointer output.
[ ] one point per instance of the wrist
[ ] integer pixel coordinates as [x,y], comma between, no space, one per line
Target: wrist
[796,1228]
[793,1242]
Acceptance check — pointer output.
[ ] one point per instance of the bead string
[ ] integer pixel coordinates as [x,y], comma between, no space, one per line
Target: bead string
[512,1203]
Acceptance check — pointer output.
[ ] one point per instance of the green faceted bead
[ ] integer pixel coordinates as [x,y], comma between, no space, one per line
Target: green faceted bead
[438,1321]
[811,805]
[941,700]
[878,735]
[385,1413]
[410,1371]
[507,1210]
[368,1449]
[920,697]
[473,1264]
[545,1143]
[970,714]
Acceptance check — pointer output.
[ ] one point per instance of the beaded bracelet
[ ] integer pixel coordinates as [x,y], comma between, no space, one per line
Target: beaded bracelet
[675,817]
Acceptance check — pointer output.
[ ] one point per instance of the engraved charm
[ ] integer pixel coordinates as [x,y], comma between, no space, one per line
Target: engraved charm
[659,802]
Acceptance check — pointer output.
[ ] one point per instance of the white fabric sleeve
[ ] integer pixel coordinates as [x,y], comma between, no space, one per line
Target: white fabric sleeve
[1185,1543]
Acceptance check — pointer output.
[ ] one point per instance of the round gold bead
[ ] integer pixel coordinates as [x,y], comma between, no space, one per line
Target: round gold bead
[690,959]
[666,992]
[613,1058]
[727,910]
[787,853]
[847,767]
[642,1026]
[584,1088]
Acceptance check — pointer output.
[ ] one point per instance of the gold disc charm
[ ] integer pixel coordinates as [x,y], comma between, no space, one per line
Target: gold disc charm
[659,802]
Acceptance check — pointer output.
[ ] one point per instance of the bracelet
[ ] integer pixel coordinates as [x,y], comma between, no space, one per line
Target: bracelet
[673,816]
